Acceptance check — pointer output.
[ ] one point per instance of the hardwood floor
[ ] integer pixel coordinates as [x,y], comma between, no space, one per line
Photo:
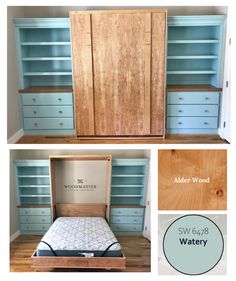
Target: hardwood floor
[178,139]
[137,250]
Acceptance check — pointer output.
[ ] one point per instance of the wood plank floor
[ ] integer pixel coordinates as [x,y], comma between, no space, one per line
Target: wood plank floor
[135,248]
[178,139]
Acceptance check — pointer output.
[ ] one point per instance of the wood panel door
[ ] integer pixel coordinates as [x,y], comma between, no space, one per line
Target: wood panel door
[113,69]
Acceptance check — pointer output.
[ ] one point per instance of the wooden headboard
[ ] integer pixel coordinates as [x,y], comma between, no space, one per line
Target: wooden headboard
[79,210]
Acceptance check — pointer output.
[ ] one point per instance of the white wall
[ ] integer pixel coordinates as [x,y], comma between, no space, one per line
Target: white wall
[13,108]
[14,226]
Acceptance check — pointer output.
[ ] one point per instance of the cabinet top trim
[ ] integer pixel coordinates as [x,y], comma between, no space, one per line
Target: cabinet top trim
[196,20]
[120,11]
[42,22]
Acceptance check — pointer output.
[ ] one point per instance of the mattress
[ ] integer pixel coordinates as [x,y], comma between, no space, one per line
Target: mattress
[79,236]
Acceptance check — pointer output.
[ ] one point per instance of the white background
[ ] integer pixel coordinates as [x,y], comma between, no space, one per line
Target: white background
[4,162]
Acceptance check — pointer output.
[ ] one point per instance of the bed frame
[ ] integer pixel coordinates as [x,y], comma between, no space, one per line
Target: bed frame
[80,210]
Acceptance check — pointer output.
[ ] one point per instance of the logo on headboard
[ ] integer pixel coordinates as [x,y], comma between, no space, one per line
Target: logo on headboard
[80,185]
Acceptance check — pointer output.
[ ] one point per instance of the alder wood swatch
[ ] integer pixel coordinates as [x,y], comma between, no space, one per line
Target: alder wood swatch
[174,165]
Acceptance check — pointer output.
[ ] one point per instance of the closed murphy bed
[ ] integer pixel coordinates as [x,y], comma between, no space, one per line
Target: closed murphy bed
[119,72]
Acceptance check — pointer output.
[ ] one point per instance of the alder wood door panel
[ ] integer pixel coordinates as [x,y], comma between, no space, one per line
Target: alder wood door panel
[82,73]
[121,64]
[210,165]
[158,75]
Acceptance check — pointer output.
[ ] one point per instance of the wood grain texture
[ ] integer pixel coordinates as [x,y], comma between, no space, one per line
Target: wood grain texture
[188,164]
[107,263]
[82,73]
[192,88]
[135,248]
[80,210]
[158,78]
[173,138]
[119,42]
[46,89]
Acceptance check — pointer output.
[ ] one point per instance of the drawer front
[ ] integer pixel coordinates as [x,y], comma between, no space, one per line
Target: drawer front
[48,111]
[127,211]
[34,211]
[192,122]
[47,99]
[35,219]
[48,123]
[120,219]
[192,110]
[126,227]
[34,227]
[193,98]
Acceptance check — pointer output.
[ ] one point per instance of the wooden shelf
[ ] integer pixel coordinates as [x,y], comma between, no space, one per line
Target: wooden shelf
[35,196]
[33,176]
[44,43]
[192,57]
[191,72]
[34,186]
[127,195]
[192,88]
[34,206]
[45,58]
[127,185]
[128,176]
[47,73]
[127,206]
[205,41]
[47,89]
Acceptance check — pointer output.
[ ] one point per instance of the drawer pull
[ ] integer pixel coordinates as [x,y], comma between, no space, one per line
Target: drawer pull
[60,112]
[42,212]
[35,124]
[180,123]
[135,220]
[26,212]
[180,111]
[118,220]
[206,110]
[43,219]
[135,212]
[181,98]
[43,227]
[34,99]
[205,123]
[34,111]
[27,227]
[59,99]
[134,228]
[61,124]
[207,98]
[27,220]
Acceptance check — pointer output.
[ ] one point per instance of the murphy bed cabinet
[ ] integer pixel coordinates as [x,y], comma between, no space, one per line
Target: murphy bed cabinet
[33,195]
[194,74]
[128,195]
[121,84]
[44,56]
[119,72]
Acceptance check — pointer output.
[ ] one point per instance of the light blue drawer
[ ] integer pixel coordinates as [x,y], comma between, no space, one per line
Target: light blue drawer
[126,227]
[48,123]
[124,219]
[127,211]
[48,111]
[34,227]
[192,110]
[192,122]
[47,99]
[35,219]
[193,97]
[34,211]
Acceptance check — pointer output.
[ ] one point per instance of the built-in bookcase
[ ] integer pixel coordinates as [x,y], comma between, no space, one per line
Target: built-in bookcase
[128,182]
[33,182]
[44,52]
[195,50]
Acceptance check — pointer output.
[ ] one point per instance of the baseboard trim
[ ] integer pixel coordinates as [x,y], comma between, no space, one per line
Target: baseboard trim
[15,235]
[13,139]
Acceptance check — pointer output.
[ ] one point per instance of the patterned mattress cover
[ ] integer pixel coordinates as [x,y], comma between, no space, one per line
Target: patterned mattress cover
[76,236]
